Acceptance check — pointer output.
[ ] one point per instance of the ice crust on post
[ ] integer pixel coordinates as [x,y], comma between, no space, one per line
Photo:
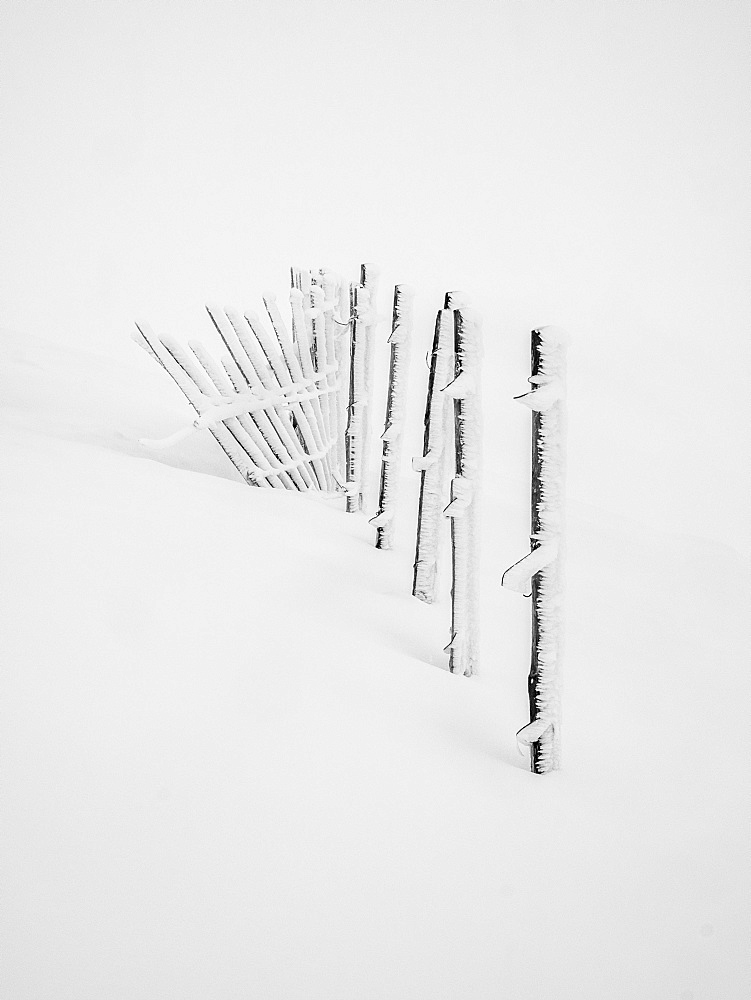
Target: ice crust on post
[464,506]
[396,404]
[368,320]
[364,320]
[541,573]
[432,465]
[357,390]
[339,308]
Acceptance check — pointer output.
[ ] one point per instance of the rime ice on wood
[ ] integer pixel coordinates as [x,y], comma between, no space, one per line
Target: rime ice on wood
[323,367]
[287,365]
[244,425]
[464,506]
[368,319]
[339,305]
[432,464]
[200,394]
[357,392]
[254,366]
[401,335]
[265,401]
[243,375]
[541,573]
[331,330]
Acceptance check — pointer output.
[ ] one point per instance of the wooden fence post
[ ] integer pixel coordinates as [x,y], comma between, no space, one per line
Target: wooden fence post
[540,574]
[464,506]
[369,319]
[401,335]
[432,464]
[357,389]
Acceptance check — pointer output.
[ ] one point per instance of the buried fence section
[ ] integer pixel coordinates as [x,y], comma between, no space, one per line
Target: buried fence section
[244,349]
[202,398]
[251,427]
[291,411]
[396,405]
[245,376]
[540,574]
[266,400]
[463,508]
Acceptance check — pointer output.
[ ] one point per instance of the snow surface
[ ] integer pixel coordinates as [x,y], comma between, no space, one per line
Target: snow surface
[233,767]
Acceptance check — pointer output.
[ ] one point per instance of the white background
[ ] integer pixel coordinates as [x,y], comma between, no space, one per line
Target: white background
[578,163]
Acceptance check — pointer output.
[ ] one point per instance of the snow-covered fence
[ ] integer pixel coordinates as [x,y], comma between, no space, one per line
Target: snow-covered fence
[540,574]
[401,335]
[464,506]
[265,401]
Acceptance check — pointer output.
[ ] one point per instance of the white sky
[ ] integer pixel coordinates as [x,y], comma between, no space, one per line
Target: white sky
[582,163]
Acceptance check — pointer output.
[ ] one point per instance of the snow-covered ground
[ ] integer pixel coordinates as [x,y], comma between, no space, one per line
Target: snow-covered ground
[232,766]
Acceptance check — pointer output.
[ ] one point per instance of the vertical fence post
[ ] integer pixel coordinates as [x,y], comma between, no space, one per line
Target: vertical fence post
[464,506]
[401,335]
[369,319]
[343,354]
[540,574]
[336,335]
[323,365]
[431,465]
[356,396]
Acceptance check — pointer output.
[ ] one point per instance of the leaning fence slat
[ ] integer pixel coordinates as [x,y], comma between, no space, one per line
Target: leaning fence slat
[272,444]
[307,415]
[285,362]
[401,335]
[174,364]
[274,398]
[284,444]
[251,337]
[243,426]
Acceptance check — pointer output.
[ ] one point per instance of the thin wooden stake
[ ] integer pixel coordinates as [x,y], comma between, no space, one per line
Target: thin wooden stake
[432,466]
[401,335]
[368,319]
[355,409]
[541,572]
[463,509]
